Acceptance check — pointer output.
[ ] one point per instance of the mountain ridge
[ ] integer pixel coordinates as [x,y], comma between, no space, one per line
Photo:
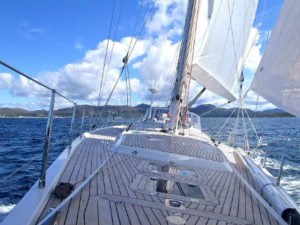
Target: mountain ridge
[135,111]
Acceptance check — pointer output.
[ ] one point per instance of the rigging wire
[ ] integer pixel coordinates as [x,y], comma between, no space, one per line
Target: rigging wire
[256,105]
[224,124]
[127,93]
[255,36]
[106,50]
[259,140]
[214,109]
[128,75]
[112,49]
[245,128]
[127,88]
[134,27]
[117,81]
[255,112]
[19,169]
[233,42]
[233,132]
[252,125]
[125,59]
[244,57]
[140,32]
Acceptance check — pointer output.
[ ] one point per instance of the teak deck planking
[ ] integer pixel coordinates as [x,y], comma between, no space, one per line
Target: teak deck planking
[112,197]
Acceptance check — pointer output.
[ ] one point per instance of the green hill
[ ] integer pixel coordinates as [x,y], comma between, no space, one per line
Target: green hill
[134,111]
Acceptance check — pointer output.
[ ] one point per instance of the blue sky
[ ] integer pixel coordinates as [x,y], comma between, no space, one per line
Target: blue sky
[62,43]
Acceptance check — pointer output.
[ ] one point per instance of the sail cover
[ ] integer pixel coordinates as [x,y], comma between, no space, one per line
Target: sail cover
[221,37]
[277,78]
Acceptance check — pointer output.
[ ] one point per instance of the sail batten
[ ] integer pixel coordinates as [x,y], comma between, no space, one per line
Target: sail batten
[278,75]
[223,28]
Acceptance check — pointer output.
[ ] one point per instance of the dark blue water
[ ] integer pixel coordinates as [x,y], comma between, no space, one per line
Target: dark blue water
[22,139]
[274,133]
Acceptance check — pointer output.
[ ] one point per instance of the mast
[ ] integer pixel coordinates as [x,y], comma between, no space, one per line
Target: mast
[176,96]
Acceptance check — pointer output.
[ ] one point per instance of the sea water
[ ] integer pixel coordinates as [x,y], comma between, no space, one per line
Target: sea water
[22,139]
[275,135]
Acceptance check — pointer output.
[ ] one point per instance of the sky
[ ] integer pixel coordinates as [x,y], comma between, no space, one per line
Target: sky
[62,43]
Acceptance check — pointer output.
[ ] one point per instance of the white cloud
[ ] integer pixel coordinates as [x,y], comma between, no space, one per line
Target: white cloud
[152,57]
[252,102]
[81,80]
[30,32]
[36,30]
[207,97]
[78,45]
[168,18]
[155,67]
[6,80]
[25,88]
[253,53]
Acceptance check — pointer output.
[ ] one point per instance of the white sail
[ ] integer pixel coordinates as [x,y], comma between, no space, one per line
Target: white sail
[222,33]
[277,78]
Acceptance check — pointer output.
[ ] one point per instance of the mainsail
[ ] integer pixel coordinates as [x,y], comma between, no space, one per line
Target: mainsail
[277,78]
[222,33]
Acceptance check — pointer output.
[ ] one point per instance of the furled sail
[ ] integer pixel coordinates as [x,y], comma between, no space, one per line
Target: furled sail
[221,36]
[277,78]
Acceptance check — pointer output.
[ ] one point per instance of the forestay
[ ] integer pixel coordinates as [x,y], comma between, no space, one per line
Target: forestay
[222,33]
[277,78]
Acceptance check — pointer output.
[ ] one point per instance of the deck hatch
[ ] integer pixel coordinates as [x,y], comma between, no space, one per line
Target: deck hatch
[174,188]
[155,167]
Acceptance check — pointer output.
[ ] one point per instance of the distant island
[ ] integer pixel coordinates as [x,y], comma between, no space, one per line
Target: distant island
[225,112]
[134,111]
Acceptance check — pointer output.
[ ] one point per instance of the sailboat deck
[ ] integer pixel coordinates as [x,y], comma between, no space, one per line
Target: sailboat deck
[120,193]
[173,144]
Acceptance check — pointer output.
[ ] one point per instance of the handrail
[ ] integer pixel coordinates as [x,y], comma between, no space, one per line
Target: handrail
[47,141]
[34,80]
[282,162]
[42,178]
